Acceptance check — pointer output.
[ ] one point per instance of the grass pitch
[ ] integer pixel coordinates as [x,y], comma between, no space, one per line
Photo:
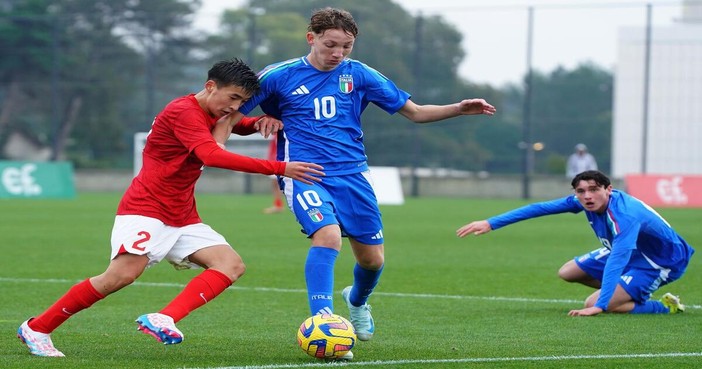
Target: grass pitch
[492,301]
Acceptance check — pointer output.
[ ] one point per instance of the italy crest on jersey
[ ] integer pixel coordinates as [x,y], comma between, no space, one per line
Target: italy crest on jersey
[346,83]
[315,215]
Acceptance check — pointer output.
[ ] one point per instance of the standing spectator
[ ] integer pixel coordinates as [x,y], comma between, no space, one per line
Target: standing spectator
[580,161]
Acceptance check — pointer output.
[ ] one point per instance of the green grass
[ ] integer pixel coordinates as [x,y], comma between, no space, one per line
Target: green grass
[493,301]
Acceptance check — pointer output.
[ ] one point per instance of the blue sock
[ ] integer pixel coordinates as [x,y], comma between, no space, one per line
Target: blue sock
[650,307]
[364,281]
[319,276]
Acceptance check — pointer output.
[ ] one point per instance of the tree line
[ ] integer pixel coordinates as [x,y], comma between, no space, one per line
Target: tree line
[80,77]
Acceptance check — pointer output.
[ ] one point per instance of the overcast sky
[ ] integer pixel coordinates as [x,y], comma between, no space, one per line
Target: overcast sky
[566,32]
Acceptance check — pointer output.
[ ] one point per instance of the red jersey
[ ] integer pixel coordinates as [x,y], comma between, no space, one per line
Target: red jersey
[165,186]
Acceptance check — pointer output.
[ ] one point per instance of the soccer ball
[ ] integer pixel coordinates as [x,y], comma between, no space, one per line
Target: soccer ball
[326,336]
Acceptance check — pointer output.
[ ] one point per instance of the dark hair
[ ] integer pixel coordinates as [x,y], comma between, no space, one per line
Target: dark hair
[595,175]
[234,72]
[331,18]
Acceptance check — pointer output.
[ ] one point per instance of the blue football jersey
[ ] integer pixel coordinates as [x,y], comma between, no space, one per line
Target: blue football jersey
[321,110]
[636,235]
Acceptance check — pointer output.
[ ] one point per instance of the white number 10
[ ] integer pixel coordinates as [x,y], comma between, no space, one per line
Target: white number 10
[308,199]
[326,107]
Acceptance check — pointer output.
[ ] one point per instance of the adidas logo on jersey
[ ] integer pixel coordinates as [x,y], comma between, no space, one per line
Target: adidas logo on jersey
[302,90]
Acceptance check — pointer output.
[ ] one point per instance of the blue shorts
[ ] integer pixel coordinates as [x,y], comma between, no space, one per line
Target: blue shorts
[347,200]
[639,283]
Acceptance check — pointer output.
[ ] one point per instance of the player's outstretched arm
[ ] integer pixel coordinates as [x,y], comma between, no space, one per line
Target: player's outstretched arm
[214,156]
[477,228]
[433,113]
[476,106]
[304,172]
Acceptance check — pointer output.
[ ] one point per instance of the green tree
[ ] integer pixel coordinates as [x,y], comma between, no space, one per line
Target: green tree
[82,76]
[76,65]
[26,45]
[258,36]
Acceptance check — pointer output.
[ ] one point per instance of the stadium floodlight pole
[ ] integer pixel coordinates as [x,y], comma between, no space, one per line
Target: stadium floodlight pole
[417,147]
[525,145]
[55,94]
[646,81]
[149,76]
[254,13]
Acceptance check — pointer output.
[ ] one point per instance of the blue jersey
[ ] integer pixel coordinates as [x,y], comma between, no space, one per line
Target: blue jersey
[321,110]
[636,235]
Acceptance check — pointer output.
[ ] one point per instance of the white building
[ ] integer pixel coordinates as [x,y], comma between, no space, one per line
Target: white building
[673,139]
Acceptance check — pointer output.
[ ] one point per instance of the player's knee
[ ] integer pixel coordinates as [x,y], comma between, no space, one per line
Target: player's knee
[115,281]
[569,272]
[564,274]
[235,268]
[233,271]
[329,236]
[238,270]
[371,261]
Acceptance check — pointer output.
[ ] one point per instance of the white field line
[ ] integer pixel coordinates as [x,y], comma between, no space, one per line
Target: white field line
[291,290]
[399,362]
[469,360]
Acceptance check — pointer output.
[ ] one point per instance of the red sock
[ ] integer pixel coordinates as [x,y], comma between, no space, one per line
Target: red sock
[196,293]
[278,202]
[79,297]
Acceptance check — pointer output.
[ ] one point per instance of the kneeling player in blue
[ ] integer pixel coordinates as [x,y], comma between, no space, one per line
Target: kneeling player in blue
[640,251]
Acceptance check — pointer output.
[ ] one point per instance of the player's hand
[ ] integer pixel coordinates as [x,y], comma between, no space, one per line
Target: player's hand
[304,172]
[476,106]
[477,228]
[591,311]
[268,125]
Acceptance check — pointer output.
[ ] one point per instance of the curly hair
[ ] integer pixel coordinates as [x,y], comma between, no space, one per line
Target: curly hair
[332,18]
